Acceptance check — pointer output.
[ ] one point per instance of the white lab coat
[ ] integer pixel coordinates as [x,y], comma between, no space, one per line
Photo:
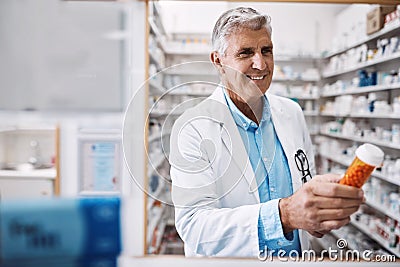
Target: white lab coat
[213,186]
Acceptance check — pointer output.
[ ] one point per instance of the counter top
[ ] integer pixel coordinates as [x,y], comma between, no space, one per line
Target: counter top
[180,261]
[49,173]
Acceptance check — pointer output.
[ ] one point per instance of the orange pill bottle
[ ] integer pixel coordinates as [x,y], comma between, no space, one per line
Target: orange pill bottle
[368,157]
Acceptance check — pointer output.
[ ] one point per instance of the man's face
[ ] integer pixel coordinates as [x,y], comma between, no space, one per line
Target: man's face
[249,52]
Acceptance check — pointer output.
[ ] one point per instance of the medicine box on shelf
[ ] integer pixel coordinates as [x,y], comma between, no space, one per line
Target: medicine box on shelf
[376,18]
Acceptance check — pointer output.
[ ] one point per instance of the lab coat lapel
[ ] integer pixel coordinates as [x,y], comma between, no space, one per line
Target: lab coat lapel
[233,142]
[282,121]
[289,147]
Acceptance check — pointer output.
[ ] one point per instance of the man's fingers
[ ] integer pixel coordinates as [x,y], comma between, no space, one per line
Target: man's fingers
[334,224]
[335,214]
[335,202]
[336,190]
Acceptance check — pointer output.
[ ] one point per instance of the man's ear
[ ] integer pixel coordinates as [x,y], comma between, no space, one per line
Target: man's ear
[216,60]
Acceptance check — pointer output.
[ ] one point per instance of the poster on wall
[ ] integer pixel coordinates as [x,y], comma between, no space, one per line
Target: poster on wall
[100,166]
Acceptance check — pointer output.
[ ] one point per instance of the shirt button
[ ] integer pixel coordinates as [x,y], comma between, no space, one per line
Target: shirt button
[256,132]
[272,189]
[244,124]
[279,243]
[265,159]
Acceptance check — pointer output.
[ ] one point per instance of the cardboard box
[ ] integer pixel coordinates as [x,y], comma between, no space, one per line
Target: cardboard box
[376,18]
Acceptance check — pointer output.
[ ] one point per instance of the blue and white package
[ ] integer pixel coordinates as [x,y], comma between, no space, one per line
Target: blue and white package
[45,228]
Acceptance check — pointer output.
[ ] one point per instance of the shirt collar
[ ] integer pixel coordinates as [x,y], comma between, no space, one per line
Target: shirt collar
[241,120]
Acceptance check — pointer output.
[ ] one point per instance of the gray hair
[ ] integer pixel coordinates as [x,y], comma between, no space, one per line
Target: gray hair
[234,19]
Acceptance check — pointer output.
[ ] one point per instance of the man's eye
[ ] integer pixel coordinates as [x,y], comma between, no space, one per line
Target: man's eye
[245,54]
[267,51]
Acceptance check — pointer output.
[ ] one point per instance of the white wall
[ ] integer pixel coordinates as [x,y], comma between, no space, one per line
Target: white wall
[192,17]
[296,27]
[134,130]
[55,55]
[350,25]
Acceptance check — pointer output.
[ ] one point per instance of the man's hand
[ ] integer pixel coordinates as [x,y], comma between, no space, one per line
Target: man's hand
[320,206]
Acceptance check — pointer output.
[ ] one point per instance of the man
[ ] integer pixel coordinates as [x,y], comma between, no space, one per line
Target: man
[239,158]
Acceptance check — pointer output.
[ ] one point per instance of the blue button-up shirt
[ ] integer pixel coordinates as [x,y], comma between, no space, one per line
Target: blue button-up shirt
[272,173]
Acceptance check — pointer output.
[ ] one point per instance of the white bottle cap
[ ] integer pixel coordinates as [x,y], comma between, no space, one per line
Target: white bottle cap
[370,154]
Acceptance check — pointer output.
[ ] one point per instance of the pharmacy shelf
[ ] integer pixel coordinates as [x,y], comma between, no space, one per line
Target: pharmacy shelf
[156,88]
[342,160]
[186,53]
[362,90]
[303,97]
[375,237]
[156,216]
[171,222]
[160,233]
[176,245]
[365,140]
[156,12]
[40,174]
[365,115]
[158,114]
[155,61]
[154,164]
[395,181]
[375,116]
[153,222]
[389,29]
[159,89]
[159,194]
[303,80]
[27,128]
[154,137]
[369,63]
[191,73]
[163,248]
[158,136]
[385,210]
[296,58]
[188,49]
[158,35]
[153,198]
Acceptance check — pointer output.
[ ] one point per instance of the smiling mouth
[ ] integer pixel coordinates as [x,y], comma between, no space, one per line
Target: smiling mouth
[256,78]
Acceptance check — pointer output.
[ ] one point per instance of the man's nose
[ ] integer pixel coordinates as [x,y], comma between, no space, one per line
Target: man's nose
[258,62]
